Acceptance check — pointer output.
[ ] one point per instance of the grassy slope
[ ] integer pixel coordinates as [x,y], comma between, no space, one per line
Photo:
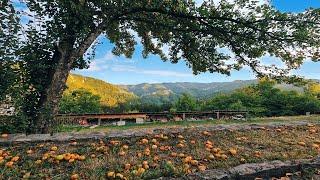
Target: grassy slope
[111,95]
[169,155]
[191,123]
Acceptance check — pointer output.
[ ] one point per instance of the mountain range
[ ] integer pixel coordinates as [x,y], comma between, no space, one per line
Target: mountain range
[112,95]
[198,90]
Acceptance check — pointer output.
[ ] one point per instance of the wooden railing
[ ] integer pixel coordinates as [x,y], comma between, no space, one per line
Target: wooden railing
[82,119]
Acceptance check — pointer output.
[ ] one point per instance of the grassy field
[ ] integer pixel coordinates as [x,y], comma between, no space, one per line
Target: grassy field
[158,155]
[282,119]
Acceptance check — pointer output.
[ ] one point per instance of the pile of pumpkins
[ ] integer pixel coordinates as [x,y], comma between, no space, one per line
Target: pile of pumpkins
[69,157]
[6,156]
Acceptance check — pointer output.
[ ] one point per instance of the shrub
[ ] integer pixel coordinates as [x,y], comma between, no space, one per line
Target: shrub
[12,124]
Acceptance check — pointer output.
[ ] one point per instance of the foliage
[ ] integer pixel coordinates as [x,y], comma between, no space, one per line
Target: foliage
[264,99]
[186,103]
[9,46]
[143,104]
[12,124]
[314,88]
[79,102]
[110,95]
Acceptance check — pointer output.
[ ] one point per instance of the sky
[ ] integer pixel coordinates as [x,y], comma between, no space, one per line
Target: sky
[121,70]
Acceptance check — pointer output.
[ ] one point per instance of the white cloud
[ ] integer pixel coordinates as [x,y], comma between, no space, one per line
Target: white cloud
[95,67]
[166,73]
[109,56]
[100,64]
[110,62]
[125,68]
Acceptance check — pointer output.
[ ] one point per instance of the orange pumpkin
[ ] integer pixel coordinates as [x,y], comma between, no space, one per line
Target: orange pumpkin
[29,151]
[316,146]
[54,148]
[38,161]
[144,141]
[122,153]
[233,151]
[74,177]
[9,164]
[140,171]
[82,157]
[127,166]
[15,159]
[119,175]
[147,152]
[126,147]
[180,145]
[202,167]
[194,162]
[211,157]
[187,159]
[111,174]
[156,158]
[154,146]
[173,154]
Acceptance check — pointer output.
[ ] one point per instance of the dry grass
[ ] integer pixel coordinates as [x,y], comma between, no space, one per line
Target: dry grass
[167,157]
[263,120]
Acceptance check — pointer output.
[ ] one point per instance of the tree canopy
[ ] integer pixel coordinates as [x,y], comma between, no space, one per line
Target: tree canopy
[46,39]
[186,103]
[264,99]
[79,102]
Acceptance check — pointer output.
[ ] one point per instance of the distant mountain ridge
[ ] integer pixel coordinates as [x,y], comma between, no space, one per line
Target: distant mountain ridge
[195,89]
[112,95]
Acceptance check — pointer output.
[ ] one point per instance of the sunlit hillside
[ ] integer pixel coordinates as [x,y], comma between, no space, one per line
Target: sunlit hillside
[111,95]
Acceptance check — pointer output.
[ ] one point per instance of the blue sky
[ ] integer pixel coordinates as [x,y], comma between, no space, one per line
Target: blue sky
[120,70]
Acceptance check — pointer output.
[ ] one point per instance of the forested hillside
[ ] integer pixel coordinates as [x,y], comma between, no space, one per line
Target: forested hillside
[110,95]
[199,90]
[260,97]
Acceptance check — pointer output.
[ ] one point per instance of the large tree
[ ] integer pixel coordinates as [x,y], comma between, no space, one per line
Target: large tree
[55,36]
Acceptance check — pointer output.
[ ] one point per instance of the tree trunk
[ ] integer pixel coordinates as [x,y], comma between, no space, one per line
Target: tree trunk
[50,102]
[65,56]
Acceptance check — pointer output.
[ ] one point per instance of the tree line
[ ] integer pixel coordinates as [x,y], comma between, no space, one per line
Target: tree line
[262,99]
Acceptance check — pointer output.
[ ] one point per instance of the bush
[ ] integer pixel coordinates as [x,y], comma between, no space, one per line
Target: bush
[12,124]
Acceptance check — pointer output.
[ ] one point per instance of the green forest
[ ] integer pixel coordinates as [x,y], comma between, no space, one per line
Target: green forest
[262,99]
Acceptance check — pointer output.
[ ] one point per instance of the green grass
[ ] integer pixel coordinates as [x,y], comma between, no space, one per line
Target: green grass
[251,146]
[106,128]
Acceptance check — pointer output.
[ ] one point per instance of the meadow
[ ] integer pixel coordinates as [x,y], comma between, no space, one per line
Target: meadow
[175,154]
